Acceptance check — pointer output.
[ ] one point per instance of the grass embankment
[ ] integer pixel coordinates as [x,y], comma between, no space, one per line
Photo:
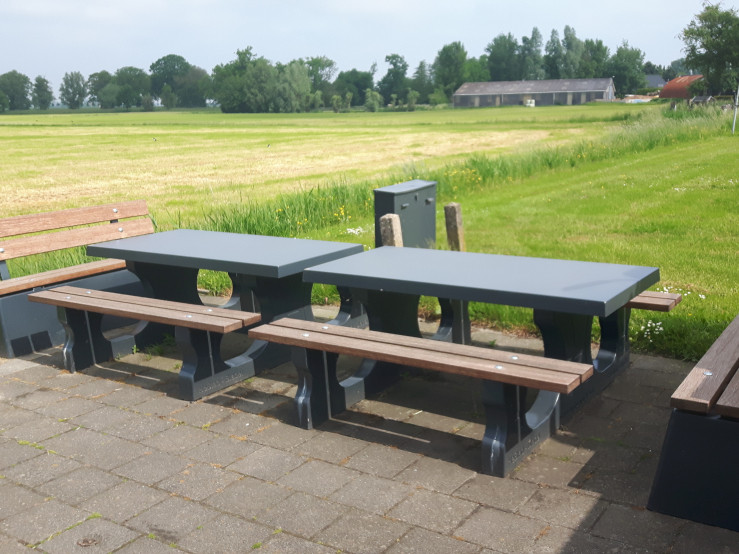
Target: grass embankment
[660,191]
[601,183]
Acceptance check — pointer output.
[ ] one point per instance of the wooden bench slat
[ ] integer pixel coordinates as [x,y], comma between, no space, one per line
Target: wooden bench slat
[699,392]
[28,282]
[583,370]
[524,371]
[655,300]
[185,316]
[247,318]
[728,404]
[36,244]
[49,221]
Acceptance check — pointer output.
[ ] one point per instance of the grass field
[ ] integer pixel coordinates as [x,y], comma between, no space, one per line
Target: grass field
[608,182]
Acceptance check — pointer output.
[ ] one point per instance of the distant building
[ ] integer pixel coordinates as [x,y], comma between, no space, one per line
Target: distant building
[541,93]
[678,87]
[655,81]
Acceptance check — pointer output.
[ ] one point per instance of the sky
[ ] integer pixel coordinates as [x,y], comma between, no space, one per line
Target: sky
[54,37]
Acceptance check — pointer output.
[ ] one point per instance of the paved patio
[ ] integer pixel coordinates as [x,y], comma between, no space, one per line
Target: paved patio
[110,460]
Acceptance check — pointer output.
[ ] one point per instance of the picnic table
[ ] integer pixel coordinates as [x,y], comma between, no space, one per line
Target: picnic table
[266,273]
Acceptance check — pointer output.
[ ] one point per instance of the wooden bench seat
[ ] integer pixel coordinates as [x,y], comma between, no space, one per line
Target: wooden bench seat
[698,473]
[198,330]
[655,300]
[32,234]
[511,432]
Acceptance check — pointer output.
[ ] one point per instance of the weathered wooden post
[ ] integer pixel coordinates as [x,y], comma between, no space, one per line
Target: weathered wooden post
[454,229]
[390,231]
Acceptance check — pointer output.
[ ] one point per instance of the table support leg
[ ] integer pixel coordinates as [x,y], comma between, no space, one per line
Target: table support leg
[568,337]
[312,397]
[85,344]
[512,431]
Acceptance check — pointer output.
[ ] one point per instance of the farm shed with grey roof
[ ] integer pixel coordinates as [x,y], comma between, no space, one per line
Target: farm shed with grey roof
[543,92]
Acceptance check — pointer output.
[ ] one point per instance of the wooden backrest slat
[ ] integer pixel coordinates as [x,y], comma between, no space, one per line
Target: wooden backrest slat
[705,383]
[183,317]
[70,238]
[728,404]
[583,370]
[247,318]
[50,221]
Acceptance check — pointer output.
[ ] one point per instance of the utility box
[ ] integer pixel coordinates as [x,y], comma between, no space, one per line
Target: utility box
[415,203]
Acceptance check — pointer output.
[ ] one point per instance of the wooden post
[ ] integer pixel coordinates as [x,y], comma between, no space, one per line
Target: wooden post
[454,229]
[390,230]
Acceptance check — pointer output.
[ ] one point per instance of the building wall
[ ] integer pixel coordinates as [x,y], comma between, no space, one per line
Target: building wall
[541,99]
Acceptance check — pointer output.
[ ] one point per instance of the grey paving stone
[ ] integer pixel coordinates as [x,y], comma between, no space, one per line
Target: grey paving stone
[8,367]
[318,477]
[330,447]
[550,471]
[572,541]
[302,514]
[198,481]
[222,451]
[501,531]
[146,545]
[372,494]
[248,497]
[202,414]
[436,475]
[258,402]
[433,511]
[38,429]
[267,463]
[12,416]
[161,405]
[40,469]
[15,452]
[280,435]
[172,520]
[177,440]
[362,533]
[282,543]
[79,485]
[94,536]
[226,534]
[152,467]
[42,521]
[694,537]
[502,493]
[15,499]
[564,508]
[422,541]
[69,408]
[37,398]
[33,372]
[240,426]
[124,501]
[381,460]
[12,389]
[97,449]
[128,396]
[628,488]
[10,545]
[638,527]
[95,388]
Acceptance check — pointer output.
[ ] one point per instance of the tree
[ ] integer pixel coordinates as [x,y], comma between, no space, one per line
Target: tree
[421,82]
[712,47]
[97,82]
[4,102]
[293,90]
[73,90]
[627,68]
[554,54]
[354,81]
[476,70]
[531,62]
[448,68]
[594,60]
[17,88]
[246,84]
[108,96]
[166,70]
[134,83]
[168,97]
[193,87]
[395,80]
[321,71]
[573,49]
[42,95]
[372,100]
[503,58]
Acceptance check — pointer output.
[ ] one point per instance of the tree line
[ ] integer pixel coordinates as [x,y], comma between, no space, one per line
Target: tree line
[251,83]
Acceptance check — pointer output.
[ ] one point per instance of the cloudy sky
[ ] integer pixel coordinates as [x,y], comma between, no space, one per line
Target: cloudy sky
[53,37]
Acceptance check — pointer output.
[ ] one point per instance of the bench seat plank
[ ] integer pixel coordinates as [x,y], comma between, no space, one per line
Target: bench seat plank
[655,300]
[505,367]
[728,404]
[147,309]
[702,387]
[28,282]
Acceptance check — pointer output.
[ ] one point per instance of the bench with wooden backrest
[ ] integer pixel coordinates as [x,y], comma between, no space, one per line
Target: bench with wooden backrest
[198,332]
[698,473]
[25,328]
[509,434]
